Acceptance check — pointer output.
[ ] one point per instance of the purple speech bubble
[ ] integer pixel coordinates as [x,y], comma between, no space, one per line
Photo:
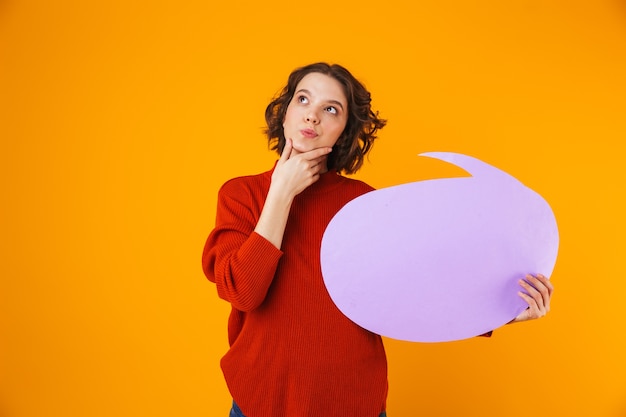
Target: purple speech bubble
[438,260]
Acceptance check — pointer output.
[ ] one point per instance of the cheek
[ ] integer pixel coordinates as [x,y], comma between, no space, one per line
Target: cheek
[341,126]
[289,115]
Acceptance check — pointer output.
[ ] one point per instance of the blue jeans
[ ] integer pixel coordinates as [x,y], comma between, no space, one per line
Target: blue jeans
[236,412]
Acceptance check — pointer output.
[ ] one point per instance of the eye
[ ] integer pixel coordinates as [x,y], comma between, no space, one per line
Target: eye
[331,109]
[302,99]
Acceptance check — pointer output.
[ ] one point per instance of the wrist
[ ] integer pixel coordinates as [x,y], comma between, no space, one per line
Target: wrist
[279,196]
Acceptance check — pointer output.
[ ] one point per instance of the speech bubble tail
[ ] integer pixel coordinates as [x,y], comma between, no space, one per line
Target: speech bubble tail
[473,166]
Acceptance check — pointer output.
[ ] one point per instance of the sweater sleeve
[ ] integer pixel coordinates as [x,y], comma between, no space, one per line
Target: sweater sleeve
[239,261]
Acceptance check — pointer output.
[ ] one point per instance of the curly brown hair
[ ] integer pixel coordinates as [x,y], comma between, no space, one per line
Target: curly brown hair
[357,138]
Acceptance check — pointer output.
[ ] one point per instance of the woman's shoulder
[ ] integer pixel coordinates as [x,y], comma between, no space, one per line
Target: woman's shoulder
[247,183]
[356,184]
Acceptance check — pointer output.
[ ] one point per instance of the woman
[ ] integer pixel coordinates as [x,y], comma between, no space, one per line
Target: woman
[292,352]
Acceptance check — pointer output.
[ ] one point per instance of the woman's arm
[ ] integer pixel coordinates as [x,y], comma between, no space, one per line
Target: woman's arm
[240,262]
[240,256]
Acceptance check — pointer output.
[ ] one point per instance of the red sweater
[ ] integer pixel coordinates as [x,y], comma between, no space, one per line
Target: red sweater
[292,352]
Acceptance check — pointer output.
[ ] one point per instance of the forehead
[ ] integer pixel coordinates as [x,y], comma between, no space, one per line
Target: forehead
[322,86]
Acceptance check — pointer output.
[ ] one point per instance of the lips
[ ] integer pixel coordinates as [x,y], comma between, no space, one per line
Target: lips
[308,133]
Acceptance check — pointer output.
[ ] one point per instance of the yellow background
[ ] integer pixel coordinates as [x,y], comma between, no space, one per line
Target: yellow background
[120,120]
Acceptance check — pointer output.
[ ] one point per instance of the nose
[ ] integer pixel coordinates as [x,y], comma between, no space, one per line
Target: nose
[311,117]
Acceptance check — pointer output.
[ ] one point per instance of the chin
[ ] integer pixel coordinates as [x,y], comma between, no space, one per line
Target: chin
[300,147]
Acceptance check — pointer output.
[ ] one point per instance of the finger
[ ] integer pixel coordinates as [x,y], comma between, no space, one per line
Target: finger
[533,311]
[541,286]
[286,151]
[537,304]
[316,153]
[546,282]
[312,160]
[532,303]
[318,162]
[532,294]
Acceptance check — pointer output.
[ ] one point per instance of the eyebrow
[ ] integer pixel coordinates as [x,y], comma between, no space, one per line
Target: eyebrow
[338,103]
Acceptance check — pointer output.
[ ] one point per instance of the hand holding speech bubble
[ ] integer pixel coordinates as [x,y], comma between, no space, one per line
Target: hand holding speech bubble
[438,260]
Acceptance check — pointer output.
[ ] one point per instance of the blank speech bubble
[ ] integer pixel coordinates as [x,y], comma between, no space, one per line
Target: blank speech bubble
[438,260]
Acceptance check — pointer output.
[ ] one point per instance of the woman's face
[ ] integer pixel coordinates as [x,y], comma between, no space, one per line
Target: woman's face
[317,113]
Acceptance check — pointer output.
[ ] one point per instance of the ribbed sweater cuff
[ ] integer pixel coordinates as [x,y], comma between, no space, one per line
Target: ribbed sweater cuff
[261,251]
[255,269]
